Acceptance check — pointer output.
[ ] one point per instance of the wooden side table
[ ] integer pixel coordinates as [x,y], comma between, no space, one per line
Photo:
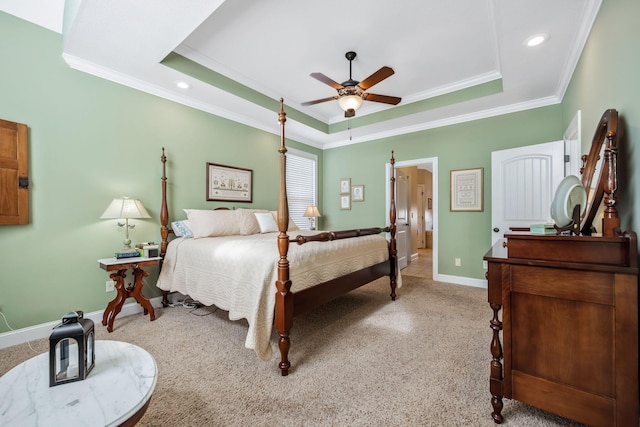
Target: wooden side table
[120,266]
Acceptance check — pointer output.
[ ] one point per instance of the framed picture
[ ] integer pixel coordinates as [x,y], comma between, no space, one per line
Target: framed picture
[466,190]
[345,185]
[357,193]
[345,202]
[229,184]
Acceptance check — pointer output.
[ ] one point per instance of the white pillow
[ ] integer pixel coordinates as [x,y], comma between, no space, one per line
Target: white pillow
[266,222]
[248,222]
[206,223]
[182,228]
[292,225]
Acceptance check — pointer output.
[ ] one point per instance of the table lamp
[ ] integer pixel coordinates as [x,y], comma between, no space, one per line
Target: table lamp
[125,208]
[312,213]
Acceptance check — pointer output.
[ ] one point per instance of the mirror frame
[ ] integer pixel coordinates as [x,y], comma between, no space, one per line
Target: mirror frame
[598,181]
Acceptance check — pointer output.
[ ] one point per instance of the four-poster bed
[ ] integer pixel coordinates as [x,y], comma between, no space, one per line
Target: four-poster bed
[315,269]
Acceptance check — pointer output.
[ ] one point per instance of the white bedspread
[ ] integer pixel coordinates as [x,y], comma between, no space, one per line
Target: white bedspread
[238,273]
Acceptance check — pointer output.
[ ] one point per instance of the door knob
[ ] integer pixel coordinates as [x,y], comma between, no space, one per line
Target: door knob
[496,229]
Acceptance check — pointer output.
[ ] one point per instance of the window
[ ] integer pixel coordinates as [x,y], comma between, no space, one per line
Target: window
[302,179]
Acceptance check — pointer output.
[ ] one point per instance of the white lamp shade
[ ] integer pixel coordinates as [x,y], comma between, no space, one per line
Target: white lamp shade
[124,207]
[312,211]
[350,102]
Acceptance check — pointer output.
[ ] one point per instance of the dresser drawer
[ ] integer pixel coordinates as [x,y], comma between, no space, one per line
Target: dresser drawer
[577,285]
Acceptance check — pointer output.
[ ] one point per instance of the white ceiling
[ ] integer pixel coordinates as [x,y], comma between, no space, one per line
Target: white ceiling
[271,46]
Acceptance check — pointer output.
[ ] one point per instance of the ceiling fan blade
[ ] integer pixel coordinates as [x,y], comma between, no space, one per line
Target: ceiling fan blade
[326,80]
[318,101]
[382,98]
[376,77]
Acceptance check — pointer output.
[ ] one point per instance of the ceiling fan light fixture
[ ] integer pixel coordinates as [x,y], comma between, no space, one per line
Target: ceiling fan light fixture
[350,102]
[351,92]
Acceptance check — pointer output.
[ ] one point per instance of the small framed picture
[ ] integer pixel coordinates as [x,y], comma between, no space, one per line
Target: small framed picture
[357,193]
[345,202]
[466,190]
[345,185]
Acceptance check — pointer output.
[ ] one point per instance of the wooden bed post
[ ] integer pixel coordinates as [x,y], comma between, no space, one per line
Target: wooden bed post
[164,210]
[393,251]
[284,297]
[164,221]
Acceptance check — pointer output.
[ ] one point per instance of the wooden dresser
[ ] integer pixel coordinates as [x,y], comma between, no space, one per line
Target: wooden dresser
[565,326]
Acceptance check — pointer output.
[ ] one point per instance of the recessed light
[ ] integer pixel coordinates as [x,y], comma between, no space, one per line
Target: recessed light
[536,40]
[182,85]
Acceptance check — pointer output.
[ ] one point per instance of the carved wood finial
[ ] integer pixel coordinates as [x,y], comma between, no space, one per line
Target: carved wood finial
[282,118]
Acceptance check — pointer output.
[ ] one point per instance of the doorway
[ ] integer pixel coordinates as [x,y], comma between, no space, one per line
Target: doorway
[431,219]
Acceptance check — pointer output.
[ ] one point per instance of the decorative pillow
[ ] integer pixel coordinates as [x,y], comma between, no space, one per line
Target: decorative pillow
[266,222]
[292,225]
[206,223]
[248,222]
[182,228]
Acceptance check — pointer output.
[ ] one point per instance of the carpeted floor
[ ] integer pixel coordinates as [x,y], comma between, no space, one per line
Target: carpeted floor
[361,360]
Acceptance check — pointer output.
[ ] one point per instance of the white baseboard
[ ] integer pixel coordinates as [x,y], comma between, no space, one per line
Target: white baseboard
[20,336]
[459,280]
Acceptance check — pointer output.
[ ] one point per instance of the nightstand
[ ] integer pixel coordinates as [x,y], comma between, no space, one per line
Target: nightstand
[120,267]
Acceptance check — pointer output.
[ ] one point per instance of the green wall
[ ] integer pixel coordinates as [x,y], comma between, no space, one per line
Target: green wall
[92,140]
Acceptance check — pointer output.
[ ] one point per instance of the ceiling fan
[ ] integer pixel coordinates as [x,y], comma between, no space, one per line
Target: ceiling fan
[351,93]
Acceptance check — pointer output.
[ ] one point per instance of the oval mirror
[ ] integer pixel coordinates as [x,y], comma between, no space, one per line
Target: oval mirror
[596,171]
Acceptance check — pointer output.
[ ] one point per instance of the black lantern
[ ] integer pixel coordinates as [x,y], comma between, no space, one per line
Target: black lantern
[71,349]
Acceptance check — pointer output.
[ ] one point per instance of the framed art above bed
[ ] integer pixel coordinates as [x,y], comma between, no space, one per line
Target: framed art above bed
[229,184]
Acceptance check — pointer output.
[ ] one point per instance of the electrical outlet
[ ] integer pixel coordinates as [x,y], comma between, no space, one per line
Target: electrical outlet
[458,262]
[111,286]
[485,264]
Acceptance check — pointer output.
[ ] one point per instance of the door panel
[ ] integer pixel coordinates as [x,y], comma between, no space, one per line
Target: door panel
[523,181]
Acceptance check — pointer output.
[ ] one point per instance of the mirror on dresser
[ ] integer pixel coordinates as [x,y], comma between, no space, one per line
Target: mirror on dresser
[599,177]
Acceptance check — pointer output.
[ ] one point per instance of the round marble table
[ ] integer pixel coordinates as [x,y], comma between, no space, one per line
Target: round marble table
[117,391]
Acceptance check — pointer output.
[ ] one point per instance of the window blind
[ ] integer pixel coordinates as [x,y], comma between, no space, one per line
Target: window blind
[301,185]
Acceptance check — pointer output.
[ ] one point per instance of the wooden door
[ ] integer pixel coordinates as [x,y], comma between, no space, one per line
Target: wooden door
[14,181]
[523,182]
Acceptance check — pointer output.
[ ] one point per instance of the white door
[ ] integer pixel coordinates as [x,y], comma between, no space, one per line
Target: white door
[421,209]
[402,222]
[523,182]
